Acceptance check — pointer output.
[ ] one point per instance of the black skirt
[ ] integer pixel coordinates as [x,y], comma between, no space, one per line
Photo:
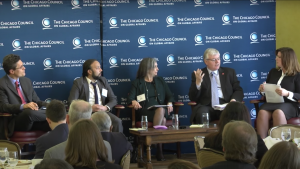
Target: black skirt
[289,109]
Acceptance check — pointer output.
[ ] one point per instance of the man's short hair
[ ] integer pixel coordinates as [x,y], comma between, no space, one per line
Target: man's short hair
[79,109]
[10,62]
[210,51]
[240,142]
[53,163]
[56,111]
[102,120]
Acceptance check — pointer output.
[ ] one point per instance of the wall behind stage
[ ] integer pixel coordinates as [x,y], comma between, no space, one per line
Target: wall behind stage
[55,37]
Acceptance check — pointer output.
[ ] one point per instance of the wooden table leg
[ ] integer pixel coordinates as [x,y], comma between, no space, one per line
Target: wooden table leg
[149,164]
[140,155]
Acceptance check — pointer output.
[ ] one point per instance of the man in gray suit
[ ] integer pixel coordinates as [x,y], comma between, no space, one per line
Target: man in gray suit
[18,98]
[94,88]
[79,109]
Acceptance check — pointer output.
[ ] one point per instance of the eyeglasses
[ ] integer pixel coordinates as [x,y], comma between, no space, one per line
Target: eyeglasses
[22,67]
[213,60]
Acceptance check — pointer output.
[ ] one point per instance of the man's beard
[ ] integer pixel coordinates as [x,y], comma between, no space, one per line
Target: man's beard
[95,77]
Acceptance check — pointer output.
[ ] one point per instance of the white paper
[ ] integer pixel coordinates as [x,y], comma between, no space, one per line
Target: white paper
[155,106]
[220,106]
[141,97]
[271,95]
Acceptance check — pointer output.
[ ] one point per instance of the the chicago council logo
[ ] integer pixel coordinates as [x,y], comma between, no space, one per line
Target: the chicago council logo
[113,22]
[198,40]
[253,2]
[254,37]
[254,76]
[253,113]
[198,3]
[76,43]
[226,57]
[15,4]
[47,63]
[226,19]
[113,62]
[142,42]
[142,3]
[171,60]
[170,21]
[48,100]
[46,23]
[76,4]
[16,44]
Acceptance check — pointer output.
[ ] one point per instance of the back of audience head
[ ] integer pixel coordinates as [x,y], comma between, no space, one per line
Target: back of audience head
[283,155]
[52,163]
[56,111]
[182,164]
[239,142]
[79,109]
[85,145]
[102,120]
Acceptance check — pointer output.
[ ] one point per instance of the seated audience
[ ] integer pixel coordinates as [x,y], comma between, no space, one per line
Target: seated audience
[118,142]
[283,155]
[53,164]
[239,145]
[56,118]
[182,164]
[233,111]
[79,109]
[85,147]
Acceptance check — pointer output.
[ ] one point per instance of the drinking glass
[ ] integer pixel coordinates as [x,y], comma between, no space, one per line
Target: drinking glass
[3,154]
[205,119]
[12,158]
[297,137]
[286,134]
[175,121]
[144,122]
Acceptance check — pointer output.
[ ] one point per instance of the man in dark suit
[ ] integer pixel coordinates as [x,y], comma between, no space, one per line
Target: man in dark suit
[18,98]
[117,140]
[94,88]
[239,141]
[56,118]
[213,85]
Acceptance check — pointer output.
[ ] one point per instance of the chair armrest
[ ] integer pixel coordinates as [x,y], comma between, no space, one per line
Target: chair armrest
[191,103]
[119,107]
[176,106]
[5,114]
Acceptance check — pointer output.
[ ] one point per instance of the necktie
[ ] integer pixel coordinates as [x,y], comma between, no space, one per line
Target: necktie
[95,92]
[214,90]
[19,92]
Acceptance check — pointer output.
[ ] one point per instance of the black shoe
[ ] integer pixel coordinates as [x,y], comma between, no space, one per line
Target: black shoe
[160,159]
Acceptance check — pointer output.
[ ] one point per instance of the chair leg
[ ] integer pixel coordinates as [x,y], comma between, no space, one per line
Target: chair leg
[178,150]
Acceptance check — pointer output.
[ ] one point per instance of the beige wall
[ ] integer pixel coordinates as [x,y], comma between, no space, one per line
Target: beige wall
[288,24]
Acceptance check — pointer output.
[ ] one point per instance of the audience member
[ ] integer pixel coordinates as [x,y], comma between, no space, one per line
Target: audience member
[239,145]
[283,155]
[53,164]
[182,164]
[79,109]
[233,111]
[118,142]
[56,118]
[85,147]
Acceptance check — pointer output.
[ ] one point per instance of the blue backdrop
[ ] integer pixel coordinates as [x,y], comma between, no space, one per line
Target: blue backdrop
[55,37]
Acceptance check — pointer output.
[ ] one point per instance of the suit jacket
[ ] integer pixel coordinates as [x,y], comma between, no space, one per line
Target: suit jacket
[103,165]
[50,139]
[58,151]
[10,100]
[230,87]
[80,90]
[164,95]
[231,165]
[119,144]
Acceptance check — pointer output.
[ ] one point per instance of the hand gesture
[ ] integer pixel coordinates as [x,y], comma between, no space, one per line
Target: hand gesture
[31,105]
[261,87]
[199,76]
[170,109]
[136,105]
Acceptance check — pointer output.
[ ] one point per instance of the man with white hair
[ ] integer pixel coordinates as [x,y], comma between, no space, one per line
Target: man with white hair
[79,109]
[117,140]
[212,86]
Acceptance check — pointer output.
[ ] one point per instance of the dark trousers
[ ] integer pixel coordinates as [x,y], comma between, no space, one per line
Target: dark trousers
[31,120]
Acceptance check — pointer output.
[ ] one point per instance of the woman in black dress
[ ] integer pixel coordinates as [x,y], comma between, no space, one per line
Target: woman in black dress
[147,90]
[288,77]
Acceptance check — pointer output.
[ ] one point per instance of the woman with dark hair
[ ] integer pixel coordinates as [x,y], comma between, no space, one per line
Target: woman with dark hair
[283,155]
[287,75]
[85,147]
[233,111]
[147,90]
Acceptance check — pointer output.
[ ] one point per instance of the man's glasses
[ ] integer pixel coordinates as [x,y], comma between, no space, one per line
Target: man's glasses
[213,60]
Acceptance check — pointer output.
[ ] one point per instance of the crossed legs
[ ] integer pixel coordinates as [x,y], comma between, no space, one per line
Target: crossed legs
[264,117]
[159,119]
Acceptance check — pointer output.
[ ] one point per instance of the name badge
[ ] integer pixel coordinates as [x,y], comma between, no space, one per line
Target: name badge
[141,97]
[104,92]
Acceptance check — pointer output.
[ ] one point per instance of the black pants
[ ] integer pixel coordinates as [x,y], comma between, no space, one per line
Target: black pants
[31,120]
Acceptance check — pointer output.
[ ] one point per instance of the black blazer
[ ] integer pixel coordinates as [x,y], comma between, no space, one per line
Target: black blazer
[119,144]
[229,84]
[50,139]
[231,165]
[164,95]
[80,90]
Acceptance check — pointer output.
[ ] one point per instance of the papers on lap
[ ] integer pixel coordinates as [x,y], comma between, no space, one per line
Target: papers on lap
[271,95]
[156,106]
[220,106]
